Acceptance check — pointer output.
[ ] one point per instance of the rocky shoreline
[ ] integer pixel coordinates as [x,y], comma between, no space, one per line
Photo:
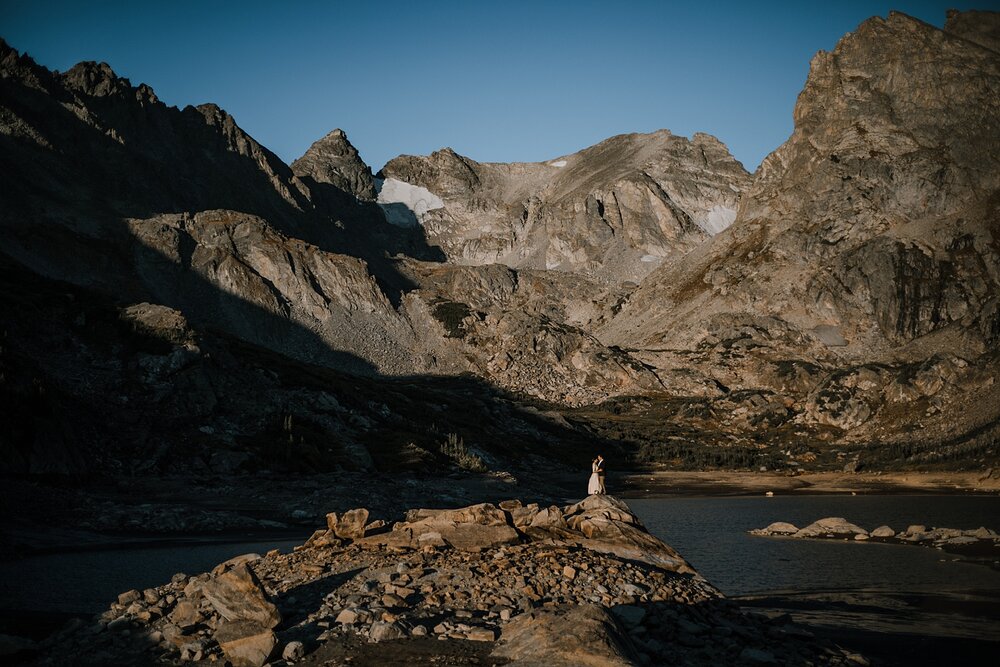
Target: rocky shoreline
[981,541]
[494,584]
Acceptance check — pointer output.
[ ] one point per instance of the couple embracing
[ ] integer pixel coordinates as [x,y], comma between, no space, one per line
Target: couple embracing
[596,483]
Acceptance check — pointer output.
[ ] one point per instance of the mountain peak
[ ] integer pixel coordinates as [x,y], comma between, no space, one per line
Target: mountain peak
[95,79]
[334,160]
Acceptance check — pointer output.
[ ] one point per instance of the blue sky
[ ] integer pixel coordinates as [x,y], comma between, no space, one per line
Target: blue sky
[497,81]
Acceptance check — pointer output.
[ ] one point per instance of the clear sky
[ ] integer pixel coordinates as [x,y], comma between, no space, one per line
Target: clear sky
[509,80]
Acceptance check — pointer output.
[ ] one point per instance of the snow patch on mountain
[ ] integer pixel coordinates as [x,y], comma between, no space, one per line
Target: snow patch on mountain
[718,218]
[405,204]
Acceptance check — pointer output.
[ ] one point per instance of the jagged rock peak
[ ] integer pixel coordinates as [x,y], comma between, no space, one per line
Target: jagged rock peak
[335,161]
[95,79]
[20,66]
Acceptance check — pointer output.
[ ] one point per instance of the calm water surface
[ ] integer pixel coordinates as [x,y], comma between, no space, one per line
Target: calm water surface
[711,533]
[87,582]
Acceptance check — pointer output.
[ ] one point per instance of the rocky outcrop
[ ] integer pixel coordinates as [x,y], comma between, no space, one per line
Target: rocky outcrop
[613,211]
[237,273]
[532,599]
[333,160]
[979,542]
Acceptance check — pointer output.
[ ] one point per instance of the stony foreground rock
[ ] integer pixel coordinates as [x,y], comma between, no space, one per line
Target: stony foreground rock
[578,585]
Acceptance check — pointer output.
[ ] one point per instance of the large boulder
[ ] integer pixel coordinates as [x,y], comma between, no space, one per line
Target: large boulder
[606,524]
[245,643]
[566,636]
[831,526]
[350,525]
[777,528]
[238,596]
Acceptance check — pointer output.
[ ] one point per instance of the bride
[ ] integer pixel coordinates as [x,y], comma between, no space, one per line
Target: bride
[596,470]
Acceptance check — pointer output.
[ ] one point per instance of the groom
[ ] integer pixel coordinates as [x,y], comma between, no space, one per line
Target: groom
[600,474]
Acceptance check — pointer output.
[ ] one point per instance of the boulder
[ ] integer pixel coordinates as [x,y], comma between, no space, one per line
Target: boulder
[322,538]
[234,561]
[778,528]
[522,517]
[245,643]
[347,617]
[549,516]
[883,531]
[831,526]
[351,524]
[128,597]
[565,636]
[185,614]
[293,651]
[483,514]
[238,596]
[380,632]
[474,537]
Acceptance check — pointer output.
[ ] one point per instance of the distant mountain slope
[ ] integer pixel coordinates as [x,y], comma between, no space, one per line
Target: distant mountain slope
[866,248]
[612,211]
[843,301]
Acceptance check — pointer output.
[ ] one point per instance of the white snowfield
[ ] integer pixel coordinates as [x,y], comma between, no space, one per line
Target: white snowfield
[418,200]
[719,217]
[558,163]
[650,258]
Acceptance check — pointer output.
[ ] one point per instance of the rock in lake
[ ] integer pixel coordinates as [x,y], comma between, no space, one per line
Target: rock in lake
[831,526]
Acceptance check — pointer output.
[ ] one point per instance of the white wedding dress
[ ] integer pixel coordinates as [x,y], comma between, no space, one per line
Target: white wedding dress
[594,485]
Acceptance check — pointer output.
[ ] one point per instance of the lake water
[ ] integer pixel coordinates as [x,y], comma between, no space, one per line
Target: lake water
[709,532]
[87,582]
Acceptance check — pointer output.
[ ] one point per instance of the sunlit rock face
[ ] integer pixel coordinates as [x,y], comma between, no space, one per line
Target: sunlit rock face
[612,212]
[869,237]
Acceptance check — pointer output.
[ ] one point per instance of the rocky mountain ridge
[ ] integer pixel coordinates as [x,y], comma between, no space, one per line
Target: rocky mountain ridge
[613,211]
[863,256]
[849,311]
